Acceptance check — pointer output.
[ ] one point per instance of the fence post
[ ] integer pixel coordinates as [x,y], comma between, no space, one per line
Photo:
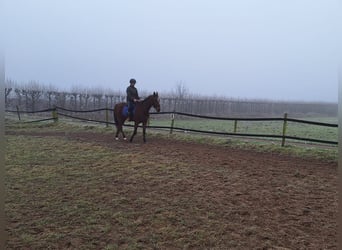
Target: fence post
[107,116]
[172,121]
[54,114]
[284,130]
[235,126]
[18,112]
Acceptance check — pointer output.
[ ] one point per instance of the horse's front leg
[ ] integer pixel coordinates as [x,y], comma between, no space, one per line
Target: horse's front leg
[122,132]
[123,135]
[144,131]
[134,132]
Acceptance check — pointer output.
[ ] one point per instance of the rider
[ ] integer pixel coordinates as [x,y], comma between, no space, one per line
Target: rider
[132,97]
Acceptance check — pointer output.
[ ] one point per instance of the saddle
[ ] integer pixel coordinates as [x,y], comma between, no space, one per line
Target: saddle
[125,110]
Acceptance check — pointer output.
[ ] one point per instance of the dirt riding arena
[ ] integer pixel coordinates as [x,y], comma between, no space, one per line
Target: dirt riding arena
[212,196]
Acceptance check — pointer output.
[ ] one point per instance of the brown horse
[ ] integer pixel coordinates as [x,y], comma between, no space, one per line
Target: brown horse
[141,115]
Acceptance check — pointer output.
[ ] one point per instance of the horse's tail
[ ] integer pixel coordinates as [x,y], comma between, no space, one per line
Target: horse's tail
[117,113]
[115,110]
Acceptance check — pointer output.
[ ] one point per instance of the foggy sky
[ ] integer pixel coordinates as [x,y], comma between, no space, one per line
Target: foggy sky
[265,49]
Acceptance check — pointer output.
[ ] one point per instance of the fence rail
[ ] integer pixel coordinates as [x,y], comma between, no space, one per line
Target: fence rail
[58,111]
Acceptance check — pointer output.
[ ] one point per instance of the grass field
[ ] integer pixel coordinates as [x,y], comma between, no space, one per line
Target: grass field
[46,205]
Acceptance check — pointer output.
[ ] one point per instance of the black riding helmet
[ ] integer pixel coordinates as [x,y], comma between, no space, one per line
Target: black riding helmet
[132,81]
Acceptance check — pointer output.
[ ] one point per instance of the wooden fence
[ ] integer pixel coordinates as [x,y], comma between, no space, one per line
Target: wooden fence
[57,112]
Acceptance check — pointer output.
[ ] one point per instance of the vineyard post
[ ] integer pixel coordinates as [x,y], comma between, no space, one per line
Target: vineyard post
[54,114]
[18,112]
[235,126]
[172,121]
[284,130]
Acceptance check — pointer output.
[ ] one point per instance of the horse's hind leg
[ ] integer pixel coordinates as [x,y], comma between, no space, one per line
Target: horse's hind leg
[118,130]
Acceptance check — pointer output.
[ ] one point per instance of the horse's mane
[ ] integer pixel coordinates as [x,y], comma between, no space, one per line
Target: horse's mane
[150,96]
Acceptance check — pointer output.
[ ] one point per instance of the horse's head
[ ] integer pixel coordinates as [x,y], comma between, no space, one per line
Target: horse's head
[156,101]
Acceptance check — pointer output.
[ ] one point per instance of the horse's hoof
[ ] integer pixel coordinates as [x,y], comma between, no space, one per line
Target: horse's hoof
[125,138]
[116,138]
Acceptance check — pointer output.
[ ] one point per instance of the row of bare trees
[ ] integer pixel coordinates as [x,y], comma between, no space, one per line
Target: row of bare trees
[34,96]
[32,100]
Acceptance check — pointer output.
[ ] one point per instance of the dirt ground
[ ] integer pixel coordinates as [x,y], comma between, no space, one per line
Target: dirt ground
[261,200]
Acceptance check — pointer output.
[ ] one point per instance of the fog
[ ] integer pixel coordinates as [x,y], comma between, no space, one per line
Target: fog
[265,49]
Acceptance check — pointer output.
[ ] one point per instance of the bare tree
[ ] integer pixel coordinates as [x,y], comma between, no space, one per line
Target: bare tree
[86,97]
[96,94]
[49,92]
[73,99]
[9,84]
[81,93]
[33,93]
[181,91]
[35,96]
[97,99]
[19,96]
[25,93]
[8,89]
[7,92]
[107,97]
[61,98]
